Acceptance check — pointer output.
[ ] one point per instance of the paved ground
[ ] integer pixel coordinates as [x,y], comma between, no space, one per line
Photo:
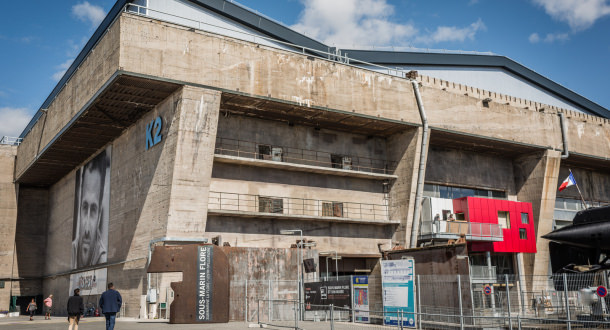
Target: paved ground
[57,323]
[39,323]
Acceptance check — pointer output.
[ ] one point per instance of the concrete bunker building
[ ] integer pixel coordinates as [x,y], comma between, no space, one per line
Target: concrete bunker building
[184,120]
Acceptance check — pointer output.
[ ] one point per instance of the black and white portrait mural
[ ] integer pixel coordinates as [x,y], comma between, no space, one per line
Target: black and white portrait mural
[91,208]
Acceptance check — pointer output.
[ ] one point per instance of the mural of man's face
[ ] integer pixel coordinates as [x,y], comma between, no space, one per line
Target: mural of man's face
[89,215]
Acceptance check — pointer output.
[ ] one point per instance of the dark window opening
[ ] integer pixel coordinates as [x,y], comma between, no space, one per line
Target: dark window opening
[522,233]
[336,161]
[270,205]
[525,218]
[264,152]
[332,209]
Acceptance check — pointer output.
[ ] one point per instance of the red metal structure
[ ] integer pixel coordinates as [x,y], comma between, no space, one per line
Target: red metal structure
[516,219]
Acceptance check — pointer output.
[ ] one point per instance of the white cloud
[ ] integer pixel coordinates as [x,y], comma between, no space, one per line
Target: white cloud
[579,14]
[348,23]
[534,38]
[559,37]
[13,120]
[361,23]
[87,12]
[452,33]
[62,69]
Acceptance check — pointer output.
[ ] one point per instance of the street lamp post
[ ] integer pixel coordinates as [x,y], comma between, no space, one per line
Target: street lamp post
[337,258]
[329,254]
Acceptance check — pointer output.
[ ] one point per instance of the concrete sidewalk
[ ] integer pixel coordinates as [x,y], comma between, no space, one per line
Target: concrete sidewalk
[61,322]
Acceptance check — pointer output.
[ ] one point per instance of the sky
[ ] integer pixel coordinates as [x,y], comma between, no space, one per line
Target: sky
[567,41]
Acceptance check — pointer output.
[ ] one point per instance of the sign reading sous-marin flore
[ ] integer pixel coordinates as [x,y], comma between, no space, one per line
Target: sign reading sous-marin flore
[204,283]
[203,294]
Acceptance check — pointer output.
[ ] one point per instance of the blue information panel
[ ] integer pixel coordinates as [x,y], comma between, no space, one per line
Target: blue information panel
[398,292]
[360,293]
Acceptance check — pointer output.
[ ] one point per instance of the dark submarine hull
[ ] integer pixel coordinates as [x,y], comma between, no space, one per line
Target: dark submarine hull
[579,248]
[582,243]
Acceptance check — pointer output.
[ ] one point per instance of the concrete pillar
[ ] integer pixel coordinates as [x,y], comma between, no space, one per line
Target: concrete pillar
[198,122]
[536,183]
[404,148]
[8,220]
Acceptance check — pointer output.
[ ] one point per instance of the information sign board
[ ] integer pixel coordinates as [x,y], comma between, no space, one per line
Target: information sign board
[360,293]
[398,292]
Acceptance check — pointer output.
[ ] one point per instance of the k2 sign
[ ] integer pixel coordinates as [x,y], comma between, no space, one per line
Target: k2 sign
[153,132]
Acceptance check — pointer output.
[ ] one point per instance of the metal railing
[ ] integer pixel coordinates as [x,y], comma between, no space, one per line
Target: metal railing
[249,149]
[290,206]
[483,273]
[9,140]
[473,231]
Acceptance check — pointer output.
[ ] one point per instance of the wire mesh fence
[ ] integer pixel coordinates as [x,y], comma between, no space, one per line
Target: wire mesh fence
[560,301]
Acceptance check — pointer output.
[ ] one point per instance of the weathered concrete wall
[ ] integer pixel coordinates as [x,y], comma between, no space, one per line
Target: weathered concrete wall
[175,52]
[470,169]
[140,183]
[405,147]
[536,183]
[190,186]
[95,70]
[8,220]
[260,232]
[213,60]
[257,273]
[30,235]
[588,135]
[466,114]
[308,143]
[594,184]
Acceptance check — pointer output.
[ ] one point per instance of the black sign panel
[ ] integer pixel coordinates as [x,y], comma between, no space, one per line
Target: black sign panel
[318,295]
[309,265]
[204,283]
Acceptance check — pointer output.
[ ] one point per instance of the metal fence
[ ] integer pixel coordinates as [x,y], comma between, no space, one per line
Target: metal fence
[561,301]
[262,151]
[9,140]
[473,231]
[222,201]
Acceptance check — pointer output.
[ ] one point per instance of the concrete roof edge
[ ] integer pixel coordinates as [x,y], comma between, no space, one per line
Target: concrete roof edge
[478,60]
[272,28]
[259,22]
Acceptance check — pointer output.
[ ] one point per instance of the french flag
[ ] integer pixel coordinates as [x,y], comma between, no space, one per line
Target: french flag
[569,181]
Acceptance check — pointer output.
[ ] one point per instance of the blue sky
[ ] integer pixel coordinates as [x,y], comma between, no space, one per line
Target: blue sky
[567,41]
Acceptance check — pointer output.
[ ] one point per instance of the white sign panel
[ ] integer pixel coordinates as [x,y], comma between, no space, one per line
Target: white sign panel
[92,282]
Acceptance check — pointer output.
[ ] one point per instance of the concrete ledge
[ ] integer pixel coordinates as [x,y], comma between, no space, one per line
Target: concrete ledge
[301,167]
[243,214]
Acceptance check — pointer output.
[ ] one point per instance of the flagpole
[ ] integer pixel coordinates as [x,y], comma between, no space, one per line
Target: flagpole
[584,204]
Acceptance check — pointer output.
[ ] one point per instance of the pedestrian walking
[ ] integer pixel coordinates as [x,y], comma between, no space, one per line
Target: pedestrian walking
[110,303]
[32,309]
[76,308]
[48,304]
